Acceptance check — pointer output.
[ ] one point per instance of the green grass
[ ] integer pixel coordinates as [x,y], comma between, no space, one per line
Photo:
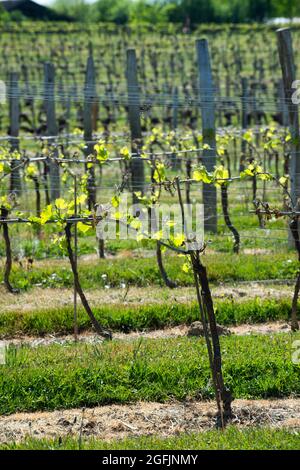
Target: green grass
[144,271]
[126,318]
[233,438]
[55,377]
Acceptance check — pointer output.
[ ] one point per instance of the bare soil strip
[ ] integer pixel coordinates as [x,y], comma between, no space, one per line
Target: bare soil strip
[145,419]
[174,332]
[39,298]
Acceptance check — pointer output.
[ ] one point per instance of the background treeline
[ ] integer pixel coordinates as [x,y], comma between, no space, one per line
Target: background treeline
[178,11]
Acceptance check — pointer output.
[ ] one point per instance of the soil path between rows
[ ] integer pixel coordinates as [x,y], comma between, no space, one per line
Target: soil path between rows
[50,298]
[145,419]
[172,332]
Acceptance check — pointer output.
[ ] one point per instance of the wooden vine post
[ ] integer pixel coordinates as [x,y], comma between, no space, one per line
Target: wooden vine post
[89,124]
[282,108]
[245,99]
[206,95]
[137,164]
[175,106]
[286,56]
[90,98]
[14,120]
[52,128]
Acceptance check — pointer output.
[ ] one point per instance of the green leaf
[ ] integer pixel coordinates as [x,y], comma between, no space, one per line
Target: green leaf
[186,267]
[283,180]
[46,214]
[101,152]
[35,220]
[83,228]
[221,175]
[178,240]
[201,174]
[125,153]
[60,204]
[159,174]
[81,199]
[115,201]
[248,136]
[31,171]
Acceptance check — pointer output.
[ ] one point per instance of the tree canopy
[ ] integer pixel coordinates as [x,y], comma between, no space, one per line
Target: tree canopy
[176,11]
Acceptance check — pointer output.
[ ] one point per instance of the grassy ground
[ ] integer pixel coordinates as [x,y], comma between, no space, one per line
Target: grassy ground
[55,377]
[231,439]
[143,271]
[137,316]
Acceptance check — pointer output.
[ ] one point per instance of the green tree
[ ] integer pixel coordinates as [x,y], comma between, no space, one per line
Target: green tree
[259,10]
[4,15]
[150,12]
[198,11]
[116,11]
[286,8]
[78,9]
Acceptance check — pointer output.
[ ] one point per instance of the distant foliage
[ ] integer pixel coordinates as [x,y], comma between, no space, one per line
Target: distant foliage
[187,12]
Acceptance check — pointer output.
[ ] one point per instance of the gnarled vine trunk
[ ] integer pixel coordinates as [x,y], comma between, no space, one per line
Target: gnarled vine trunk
[163,272]
[164,275]
[38,202]
[294,226]
[294,319]
[235,233]
[223,394]
[254,193]
[101,251]
[8,260]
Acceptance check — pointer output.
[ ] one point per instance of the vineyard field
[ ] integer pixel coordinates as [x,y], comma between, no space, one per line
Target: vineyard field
[149,237]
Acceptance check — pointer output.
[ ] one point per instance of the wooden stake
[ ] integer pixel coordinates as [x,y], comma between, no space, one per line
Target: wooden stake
[244,120]
[89,103]
[137,165]
[208,131]
[52,129]
[286,56]
[14,118]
